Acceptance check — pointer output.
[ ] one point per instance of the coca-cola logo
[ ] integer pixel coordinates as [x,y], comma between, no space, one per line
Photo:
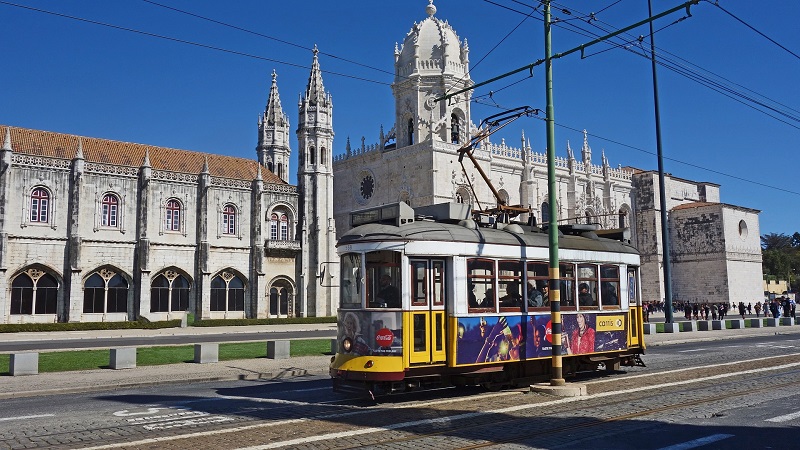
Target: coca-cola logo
[548,331]
[384,337]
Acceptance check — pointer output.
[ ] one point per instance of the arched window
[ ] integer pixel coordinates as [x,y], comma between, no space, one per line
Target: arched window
[169,292]
[227,293]
[173,215]
[463,195]
[622,214]
[322,156]
[229,220]
[410,131]
[503,196]
[280,296]
[105,292]
[280,171]
[40,202]
[110,210]
[455,129]
[279,226]
[271,167]
[312,153]
[34,292]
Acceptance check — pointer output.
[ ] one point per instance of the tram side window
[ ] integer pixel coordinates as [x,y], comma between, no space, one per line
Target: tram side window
[537,290]
[480,285]
[587,285]
[383,279]
[350,294]
[566,283]
[633,288]
[510,282]
[438,283]
[609,286]
[419,283]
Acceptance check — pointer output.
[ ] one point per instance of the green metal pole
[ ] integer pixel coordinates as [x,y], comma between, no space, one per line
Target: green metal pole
[662,192]
[557,374]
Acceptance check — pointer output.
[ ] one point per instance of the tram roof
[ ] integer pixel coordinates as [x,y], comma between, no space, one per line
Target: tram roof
[450,232]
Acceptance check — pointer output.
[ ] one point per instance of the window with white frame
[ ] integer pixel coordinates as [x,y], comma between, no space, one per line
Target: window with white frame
[173,215]
[279,226]
[109,214]
[229,220]
[39,202]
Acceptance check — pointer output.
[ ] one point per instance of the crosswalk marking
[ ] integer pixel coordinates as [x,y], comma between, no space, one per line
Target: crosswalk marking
[698,442]
[784,418]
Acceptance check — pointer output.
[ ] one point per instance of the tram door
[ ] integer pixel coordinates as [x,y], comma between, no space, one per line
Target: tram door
[427,316]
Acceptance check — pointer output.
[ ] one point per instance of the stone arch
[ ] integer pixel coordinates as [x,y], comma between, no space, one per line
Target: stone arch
[281,219]
[171,289]
[463,195]
[110,296]
[280,297]
[37,289]
[228,291]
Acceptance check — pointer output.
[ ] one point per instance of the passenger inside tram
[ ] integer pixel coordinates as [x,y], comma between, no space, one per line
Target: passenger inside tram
[388,296]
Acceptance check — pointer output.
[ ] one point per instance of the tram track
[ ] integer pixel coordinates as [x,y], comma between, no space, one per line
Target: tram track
[456,418]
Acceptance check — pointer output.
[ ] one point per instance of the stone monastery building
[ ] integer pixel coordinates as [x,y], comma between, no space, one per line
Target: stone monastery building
[97,230]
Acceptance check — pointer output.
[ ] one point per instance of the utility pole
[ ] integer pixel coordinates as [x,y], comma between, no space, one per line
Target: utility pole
[557,374]
[662,191]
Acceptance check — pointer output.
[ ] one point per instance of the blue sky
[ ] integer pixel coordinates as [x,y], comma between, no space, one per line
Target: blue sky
[76,77]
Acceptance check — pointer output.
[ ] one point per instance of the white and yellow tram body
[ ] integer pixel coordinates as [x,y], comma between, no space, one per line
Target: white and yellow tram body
[457,320]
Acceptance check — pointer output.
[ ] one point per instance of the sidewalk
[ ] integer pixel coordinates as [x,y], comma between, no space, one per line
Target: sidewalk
[250,369]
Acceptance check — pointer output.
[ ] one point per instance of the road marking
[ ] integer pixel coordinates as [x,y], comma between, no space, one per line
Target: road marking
[690,351]
[509,409]
[6,419]
[784,418]
[698,442]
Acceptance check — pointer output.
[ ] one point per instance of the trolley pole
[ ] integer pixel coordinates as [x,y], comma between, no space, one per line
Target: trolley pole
[557,374]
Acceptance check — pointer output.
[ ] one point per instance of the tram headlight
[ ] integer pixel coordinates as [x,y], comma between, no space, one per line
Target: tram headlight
[347,345]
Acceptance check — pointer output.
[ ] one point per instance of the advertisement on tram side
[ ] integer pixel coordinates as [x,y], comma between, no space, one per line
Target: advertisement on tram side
[372,333]
[508,338]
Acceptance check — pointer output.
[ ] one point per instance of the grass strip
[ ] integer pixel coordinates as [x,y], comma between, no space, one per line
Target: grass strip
[152,356]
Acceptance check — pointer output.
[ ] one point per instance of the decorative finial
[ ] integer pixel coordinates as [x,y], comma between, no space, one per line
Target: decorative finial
[315,50]
[258,172]
[274,76]
[79,152]
[146,162]
[430,9]
[205,164]
[7,140]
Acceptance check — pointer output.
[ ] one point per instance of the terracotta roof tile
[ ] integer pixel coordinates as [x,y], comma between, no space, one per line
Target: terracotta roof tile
[59,145]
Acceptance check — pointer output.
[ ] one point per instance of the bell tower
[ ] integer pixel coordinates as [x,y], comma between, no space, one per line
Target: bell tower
[319,271]
[273,135]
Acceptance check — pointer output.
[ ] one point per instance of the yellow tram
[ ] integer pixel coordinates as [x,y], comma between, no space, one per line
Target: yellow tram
[429,297]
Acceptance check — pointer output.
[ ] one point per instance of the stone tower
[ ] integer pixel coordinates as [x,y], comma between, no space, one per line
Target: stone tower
[273,135]
[318,272]
[431,62]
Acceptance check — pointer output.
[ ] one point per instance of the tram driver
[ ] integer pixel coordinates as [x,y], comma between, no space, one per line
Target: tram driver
[388,296]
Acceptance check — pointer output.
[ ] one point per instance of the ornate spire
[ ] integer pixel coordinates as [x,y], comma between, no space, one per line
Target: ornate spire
[273,114]
[586,151]
[205,165]
[430,9]
[258,172]
[315,92]
[7,140]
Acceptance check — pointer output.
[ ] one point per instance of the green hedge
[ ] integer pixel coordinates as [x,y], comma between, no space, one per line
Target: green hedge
[83,326]
[144,324]
[246,322]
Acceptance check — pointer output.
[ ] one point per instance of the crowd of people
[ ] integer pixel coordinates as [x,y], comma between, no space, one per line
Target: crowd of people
[776,308]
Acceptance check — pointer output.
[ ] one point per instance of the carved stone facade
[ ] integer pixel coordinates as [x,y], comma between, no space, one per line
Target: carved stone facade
[417,162]
[95,230]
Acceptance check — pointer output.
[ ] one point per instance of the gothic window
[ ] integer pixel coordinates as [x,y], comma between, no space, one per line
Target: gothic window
[105,292]
[410,131]
[279,226]
[169,292]
[503,196]
[34,292]
[322,155]
[622,215]
[229,220]
[227,293]
[110,211]
[463,196]
[173,215]
[271,166]
[40,202]
[280,171]
[312,155]
[280,296]
[545,212]
[455,129]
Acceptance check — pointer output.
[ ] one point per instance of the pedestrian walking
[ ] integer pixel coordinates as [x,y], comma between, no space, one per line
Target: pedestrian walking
[742,309]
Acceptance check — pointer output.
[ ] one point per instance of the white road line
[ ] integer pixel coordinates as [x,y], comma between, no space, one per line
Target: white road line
[414,423]
[784,418]
[7,419]
[698,442]
[690,351]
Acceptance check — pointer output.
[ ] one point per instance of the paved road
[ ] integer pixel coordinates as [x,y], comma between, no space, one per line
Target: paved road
[721,392]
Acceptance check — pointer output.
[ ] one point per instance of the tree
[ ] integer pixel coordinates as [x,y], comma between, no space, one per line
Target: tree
[776,241]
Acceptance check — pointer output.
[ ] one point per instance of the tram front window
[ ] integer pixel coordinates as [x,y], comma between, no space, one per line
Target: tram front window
[350,293]
[383,279]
